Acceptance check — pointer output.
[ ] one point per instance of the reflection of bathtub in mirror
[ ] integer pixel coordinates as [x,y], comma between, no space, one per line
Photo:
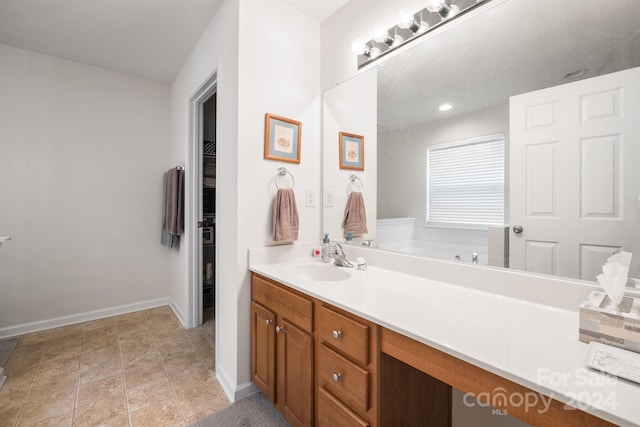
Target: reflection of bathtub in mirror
[404,235]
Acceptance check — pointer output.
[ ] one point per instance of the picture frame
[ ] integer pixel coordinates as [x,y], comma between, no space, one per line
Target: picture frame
[351,151]
[282,138]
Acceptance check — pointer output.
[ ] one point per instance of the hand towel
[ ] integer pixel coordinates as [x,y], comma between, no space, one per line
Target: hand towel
[355,216]
[285,216]
[172,207]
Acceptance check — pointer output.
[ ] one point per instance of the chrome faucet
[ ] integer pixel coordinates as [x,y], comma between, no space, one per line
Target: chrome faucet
[474,258]
[337,253]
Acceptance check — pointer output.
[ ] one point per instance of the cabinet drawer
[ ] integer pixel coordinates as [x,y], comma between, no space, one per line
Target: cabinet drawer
[288,305]
[332,413]
[347,335]
[343,378]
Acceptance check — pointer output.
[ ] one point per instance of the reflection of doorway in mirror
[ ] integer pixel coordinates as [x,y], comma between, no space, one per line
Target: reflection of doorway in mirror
[283,139]
[574,177]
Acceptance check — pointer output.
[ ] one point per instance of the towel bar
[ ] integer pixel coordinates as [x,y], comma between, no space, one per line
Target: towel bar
[284,171]
[352,180]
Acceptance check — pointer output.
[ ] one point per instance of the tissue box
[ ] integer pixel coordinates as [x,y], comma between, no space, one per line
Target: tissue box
[619,327]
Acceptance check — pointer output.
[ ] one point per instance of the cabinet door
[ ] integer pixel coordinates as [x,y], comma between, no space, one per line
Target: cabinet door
[263,350]
[295,374]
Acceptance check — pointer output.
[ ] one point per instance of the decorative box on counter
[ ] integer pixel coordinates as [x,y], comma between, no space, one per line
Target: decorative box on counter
[604,323]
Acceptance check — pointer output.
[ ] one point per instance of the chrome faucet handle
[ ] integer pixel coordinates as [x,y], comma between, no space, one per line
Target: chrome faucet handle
[367,243]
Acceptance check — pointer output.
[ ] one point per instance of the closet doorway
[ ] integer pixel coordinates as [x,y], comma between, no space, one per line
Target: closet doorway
[200,222]
[208,215]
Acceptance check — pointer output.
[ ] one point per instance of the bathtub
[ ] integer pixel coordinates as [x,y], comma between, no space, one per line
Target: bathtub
[441,250]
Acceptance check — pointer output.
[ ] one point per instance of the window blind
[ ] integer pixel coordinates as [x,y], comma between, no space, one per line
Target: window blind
[465,183]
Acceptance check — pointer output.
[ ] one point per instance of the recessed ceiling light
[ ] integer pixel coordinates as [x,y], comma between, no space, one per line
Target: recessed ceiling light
[445,107]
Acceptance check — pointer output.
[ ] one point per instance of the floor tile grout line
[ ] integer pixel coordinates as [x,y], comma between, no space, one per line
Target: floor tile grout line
[124,389]
[75,399]
[35,371]
[173,390]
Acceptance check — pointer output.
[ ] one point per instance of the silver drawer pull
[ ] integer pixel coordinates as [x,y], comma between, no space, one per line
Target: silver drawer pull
[268,322]
[336,334]
[336,376]
[279,329]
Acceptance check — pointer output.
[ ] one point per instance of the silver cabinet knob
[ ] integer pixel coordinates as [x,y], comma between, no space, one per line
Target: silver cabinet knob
[518,229]
[336,334]
[279,329]
[268,322]
[336,376]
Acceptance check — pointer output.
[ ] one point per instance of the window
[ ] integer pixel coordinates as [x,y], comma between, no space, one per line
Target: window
[465,182]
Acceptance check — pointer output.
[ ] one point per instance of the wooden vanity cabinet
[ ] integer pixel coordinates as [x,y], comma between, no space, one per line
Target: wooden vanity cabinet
[346,368]
[282,349]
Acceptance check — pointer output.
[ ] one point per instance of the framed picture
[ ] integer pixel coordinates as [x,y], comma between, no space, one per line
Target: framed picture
[351,151]
[282,139]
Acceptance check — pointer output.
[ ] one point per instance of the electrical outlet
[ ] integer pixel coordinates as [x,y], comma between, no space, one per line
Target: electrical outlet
[311,198]
[328,198]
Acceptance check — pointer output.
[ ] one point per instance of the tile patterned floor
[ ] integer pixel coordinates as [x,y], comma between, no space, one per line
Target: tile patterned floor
[138,369]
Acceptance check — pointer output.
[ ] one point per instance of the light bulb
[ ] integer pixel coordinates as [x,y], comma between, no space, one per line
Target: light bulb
[405,19]
[435,5]
[374,52]
[359,47]
[380,34]
[445,107]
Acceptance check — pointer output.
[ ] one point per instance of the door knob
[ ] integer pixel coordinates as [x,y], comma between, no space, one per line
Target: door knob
[279,329]
[336,334]
[268,322]
[517,229]
[336,376]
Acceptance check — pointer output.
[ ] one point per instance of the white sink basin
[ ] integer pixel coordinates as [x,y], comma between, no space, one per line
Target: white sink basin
[318,272]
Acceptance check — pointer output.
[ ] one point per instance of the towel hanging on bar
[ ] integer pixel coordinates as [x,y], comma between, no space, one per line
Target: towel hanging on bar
[173,207]
[285,216]
[355,216]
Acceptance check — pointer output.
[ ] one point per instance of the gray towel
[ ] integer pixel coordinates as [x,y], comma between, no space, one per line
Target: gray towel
[355,216]
[172,207]
[285,216]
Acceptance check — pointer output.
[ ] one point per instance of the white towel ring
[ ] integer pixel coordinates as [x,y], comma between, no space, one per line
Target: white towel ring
[282,172]
[352,181]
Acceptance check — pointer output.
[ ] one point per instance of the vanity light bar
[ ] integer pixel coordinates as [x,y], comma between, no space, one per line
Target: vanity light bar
[410,27]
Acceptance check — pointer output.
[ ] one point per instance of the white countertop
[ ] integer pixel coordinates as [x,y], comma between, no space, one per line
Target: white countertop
[530,343]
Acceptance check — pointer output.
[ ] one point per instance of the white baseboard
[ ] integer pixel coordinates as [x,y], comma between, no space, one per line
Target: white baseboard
[223,380]
[246,389]
[179,314]
[40,325]
[234,393]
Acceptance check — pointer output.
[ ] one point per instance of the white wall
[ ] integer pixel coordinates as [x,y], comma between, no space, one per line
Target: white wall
[405,158]
[350,107]
[82,152]
[217,51]
[272,65]
[280,74]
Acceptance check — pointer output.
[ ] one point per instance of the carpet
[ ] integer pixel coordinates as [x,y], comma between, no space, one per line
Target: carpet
[252,411]
[6,347]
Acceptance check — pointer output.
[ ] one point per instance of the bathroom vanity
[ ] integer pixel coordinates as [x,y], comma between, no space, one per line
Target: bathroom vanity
[383,347]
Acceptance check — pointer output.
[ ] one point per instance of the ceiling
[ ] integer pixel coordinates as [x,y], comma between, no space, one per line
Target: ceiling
[146,38]
[515,47]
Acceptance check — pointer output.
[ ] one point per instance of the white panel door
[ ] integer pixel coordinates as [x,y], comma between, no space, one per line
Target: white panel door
[574,158]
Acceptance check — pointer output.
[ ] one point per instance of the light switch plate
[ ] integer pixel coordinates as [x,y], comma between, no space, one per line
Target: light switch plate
[328,198]
[311,198]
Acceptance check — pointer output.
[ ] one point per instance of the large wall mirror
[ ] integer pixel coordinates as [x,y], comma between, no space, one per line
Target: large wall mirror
[558,83]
